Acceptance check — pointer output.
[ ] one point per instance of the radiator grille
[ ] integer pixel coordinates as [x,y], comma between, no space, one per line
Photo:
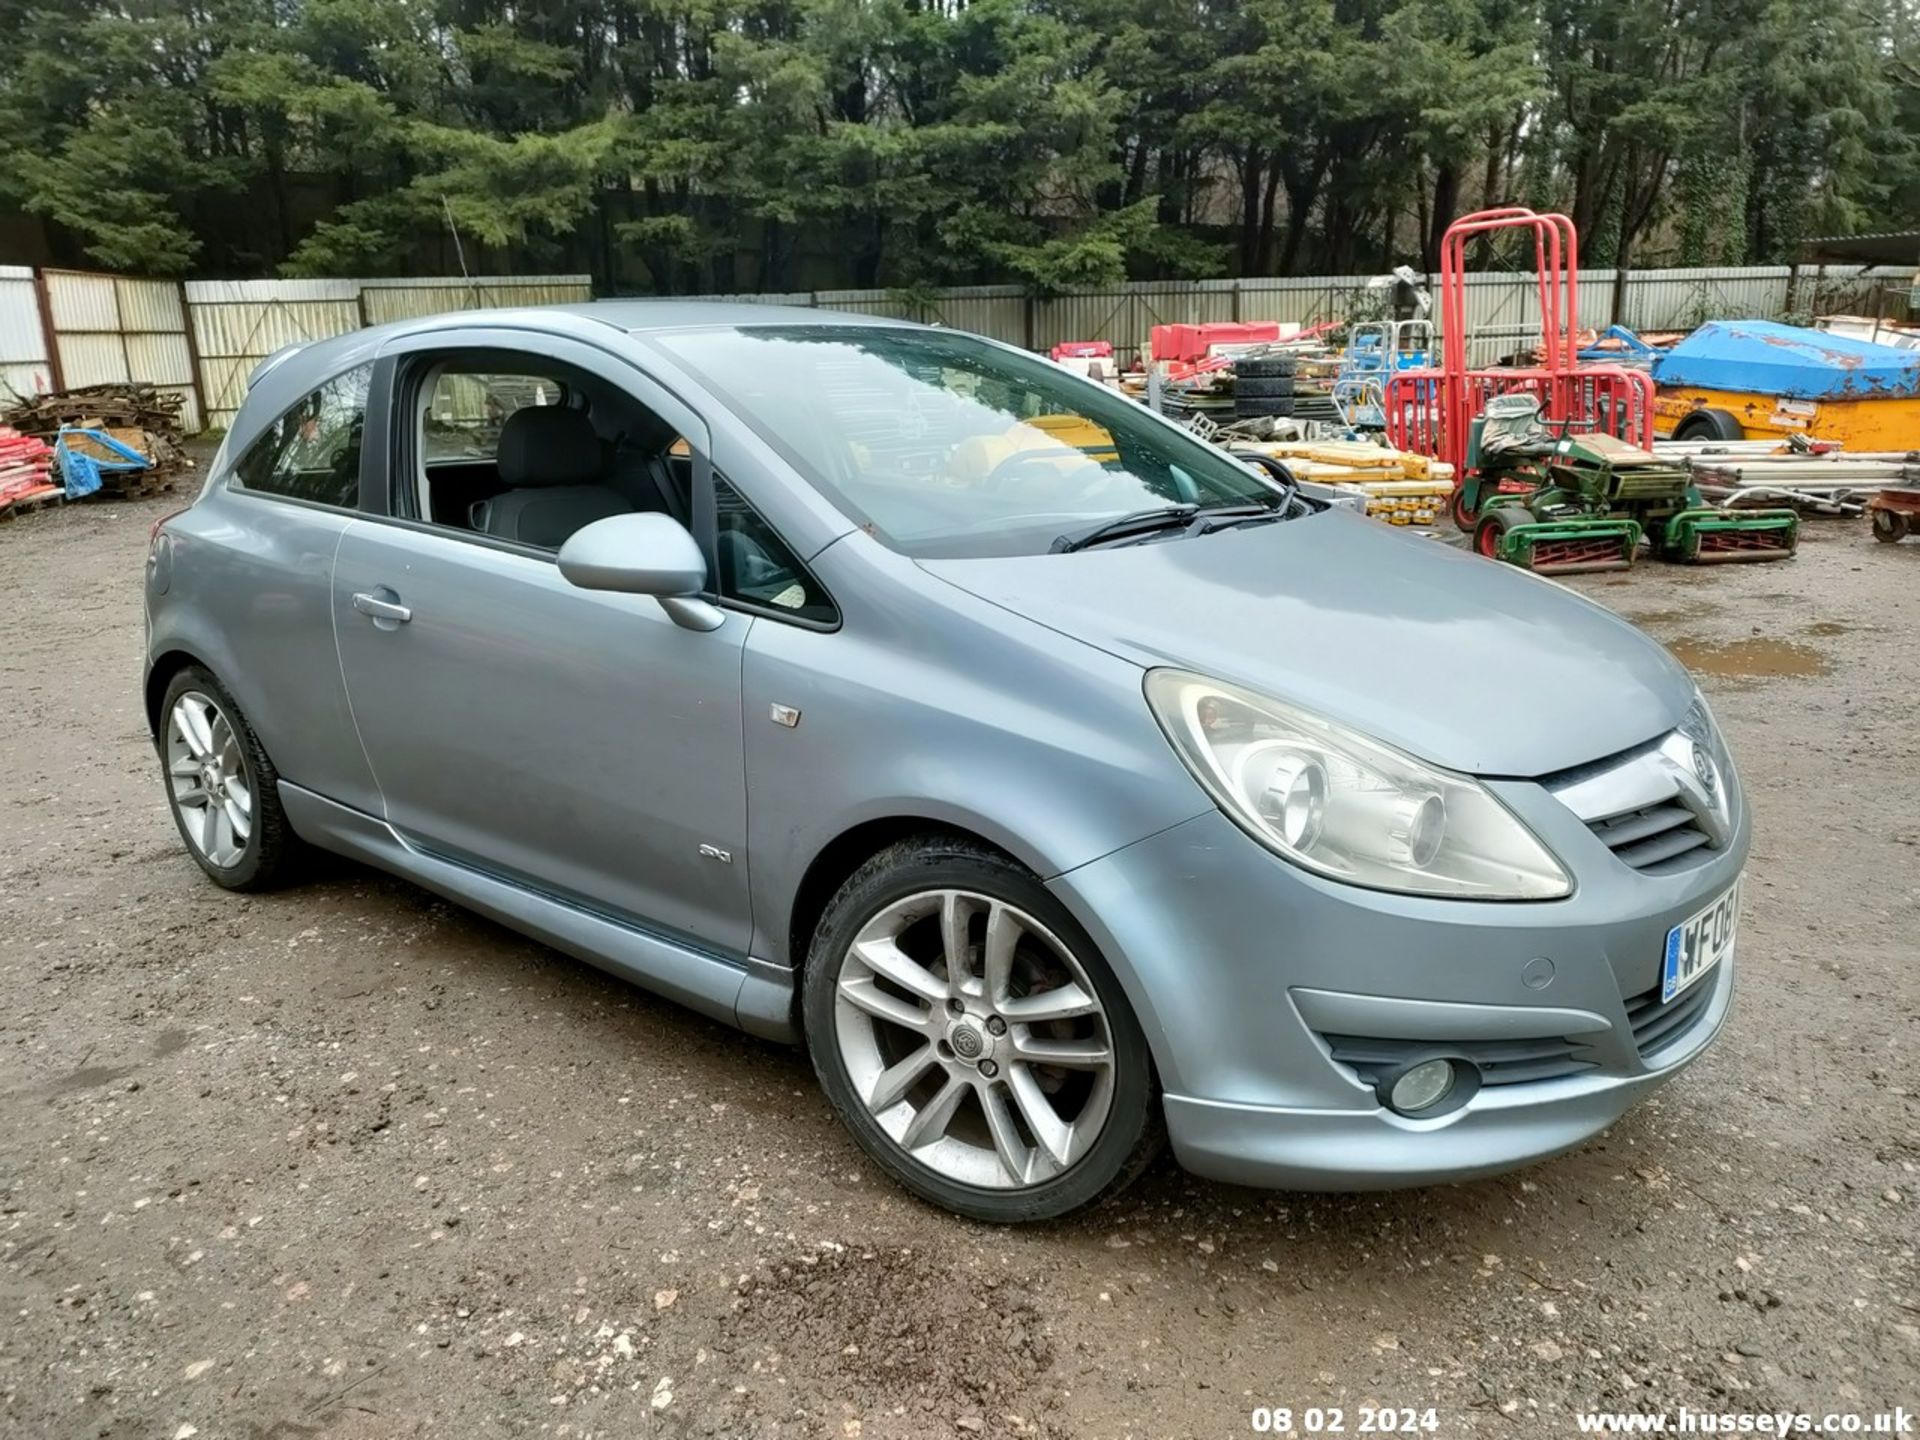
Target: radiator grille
[1653,807]
[1654,837]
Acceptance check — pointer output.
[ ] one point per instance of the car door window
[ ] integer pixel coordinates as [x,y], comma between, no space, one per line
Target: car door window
[312,452]
[756,567]
[526,449]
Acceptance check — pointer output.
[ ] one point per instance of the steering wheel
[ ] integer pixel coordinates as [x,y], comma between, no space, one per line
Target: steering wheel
[1051,465]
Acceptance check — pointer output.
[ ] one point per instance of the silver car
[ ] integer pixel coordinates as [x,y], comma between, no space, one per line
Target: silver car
[1063,783]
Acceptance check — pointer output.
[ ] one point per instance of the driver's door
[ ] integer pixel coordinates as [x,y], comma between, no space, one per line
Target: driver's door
[579,742]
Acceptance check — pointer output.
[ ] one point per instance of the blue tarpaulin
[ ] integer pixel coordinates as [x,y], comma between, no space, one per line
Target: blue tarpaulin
[1769,359]
[80,472]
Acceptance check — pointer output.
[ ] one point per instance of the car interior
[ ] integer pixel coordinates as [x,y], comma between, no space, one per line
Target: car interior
[532,457]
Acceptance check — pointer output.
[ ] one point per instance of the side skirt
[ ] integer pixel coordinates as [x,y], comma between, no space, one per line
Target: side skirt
[756,995]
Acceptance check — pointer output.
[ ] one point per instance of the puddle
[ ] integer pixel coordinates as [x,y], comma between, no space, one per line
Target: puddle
[1759,656]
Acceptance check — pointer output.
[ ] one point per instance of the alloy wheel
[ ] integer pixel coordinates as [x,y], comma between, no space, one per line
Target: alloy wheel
[975,1039]
[207,779]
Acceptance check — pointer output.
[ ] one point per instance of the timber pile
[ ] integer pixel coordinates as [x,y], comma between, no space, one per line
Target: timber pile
[25,483]
[137,414]
[132,404]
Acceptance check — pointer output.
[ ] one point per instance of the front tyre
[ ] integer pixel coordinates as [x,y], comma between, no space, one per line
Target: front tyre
[1465,515]
[221,787]
[1490,530]
[969,1035]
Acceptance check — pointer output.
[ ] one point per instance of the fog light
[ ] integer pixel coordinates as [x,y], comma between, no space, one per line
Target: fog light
[1422,1087]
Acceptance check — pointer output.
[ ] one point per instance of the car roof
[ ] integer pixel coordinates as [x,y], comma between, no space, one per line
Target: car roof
[287,374]
[639,316]
[304,360]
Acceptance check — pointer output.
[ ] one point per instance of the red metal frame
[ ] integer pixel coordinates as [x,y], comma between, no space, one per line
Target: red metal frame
[1422,405]
[1431,411]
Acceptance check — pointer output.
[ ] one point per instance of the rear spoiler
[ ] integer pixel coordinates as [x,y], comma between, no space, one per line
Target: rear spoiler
[274,361]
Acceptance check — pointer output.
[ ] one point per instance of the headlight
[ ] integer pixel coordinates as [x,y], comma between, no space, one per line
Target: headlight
[1346,806]
[1712,762]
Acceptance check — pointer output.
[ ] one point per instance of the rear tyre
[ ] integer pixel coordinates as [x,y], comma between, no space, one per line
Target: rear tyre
[1266,367]
[221,787]
[1493,525]
[968,1033]
[1245,407]
[1709,425]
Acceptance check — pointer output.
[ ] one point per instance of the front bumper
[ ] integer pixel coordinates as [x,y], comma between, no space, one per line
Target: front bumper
[1503,1127]
[1239,966]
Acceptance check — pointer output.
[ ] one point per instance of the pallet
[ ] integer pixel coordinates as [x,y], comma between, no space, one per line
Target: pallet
[12,509]
[131,488]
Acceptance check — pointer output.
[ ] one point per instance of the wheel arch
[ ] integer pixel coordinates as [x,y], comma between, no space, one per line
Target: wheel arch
[847,851]
[160,674]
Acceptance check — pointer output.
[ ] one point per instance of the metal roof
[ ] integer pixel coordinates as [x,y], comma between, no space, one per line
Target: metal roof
[1887,247]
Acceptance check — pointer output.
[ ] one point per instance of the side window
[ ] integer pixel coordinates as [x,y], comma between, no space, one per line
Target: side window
[465,412]
[313,451]
[756,567]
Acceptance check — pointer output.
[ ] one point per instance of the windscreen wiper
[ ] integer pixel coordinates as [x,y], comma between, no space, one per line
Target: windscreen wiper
[1225,517]
[1189,518]
[1140,522]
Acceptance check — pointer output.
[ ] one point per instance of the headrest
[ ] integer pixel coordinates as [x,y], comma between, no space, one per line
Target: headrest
[549,445]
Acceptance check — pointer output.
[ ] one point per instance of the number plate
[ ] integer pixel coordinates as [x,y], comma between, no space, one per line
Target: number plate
[1699,944]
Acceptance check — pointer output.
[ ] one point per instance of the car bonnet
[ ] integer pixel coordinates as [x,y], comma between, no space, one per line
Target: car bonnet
[1464,662]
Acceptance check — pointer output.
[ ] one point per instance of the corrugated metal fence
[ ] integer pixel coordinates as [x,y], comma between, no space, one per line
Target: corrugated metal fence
[204,337]
[1503,311]
[23,340]
[238,323]
[62,329]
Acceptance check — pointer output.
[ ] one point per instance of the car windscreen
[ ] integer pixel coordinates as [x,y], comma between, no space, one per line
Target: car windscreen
[943,444]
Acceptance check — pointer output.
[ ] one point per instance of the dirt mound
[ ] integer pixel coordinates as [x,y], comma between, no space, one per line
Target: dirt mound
[914,1342]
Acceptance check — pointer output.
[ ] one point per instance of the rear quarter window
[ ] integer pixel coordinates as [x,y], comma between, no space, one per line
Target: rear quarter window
[312,452]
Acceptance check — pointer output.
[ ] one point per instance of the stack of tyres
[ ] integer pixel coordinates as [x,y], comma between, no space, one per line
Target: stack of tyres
[1263,385]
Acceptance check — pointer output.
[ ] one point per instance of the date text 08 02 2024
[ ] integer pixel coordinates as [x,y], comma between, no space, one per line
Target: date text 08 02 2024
[1338,1420]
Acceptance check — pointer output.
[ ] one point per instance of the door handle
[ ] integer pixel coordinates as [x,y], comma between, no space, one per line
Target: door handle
[369,604]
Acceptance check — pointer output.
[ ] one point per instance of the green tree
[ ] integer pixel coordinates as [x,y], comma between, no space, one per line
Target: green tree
[676,145]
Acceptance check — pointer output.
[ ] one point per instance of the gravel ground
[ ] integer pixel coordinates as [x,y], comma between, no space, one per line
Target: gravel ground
[346,1161]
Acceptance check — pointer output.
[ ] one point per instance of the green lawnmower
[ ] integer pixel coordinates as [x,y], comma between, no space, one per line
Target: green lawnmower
[1554,500]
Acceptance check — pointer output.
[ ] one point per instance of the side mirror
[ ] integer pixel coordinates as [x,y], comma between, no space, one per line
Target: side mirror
[645,554]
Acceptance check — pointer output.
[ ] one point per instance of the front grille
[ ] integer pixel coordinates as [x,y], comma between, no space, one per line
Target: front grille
[1656,1025]
[1501,1062]
[1652,838]
[1650,806]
